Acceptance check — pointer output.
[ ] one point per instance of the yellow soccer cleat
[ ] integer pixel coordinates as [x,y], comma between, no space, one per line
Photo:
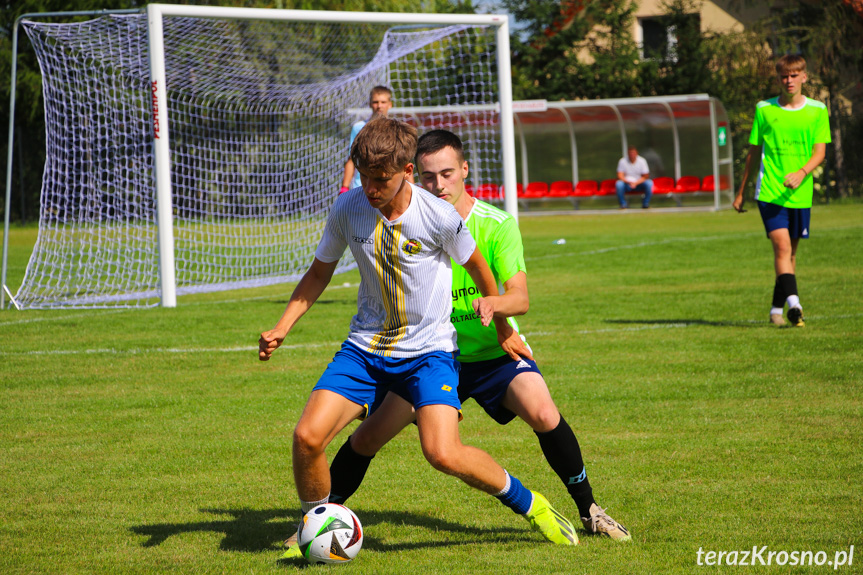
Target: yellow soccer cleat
[544,519]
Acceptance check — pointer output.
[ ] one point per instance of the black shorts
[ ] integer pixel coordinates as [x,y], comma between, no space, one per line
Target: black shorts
[487,381]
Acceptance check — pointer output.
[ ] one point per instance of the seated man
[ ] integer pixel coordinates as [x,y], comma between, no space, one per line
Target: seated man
[633,175]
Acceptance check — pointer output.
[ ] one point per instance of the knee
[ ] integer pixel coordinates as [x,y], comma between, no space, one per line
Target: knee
[306,440]
[442,459]
[365,442]
[620,186]
[648,185]
[544,419]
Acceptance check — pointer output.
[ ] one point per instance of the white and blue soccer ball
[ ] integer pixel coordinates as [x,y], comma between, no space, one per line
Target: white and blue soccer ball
[330,533]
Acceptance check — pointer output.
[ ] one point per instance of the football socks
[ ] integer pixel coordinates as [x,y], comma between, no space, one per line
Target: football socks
[788,285]
[307,506]
[347,472]
[778,297]
[515,495]
[561,449]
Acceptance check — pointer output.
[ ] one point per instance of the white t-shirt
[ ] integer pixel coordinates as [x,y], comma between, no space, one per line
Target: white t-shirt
[632,172]
[404,301]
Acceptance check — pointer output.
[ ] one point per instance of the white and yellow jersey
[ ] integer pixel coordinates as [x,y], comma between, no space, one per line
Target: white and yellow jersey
[404,302]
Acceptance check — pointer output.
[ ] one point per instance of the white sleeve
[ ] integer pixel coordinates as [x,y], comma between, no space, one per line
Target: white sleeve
[332,245]
[457,241]
[621,167]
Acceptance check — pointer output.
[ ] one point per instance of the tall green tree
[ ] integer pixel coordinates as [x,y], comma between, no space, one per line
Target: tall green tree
[574,49]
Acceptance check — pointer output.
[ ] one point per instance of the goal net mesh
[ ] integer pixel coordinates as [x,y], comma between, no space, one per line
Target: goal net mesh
[259,117]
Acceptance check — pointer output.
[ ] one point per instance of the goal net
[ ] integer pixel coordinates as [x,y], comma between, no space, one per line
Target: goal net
[259,114]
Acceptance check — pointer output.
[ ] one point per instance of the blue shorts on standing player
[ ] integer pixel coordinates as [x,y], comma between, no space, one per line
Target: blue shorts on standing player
[365,378]
[795,220]
[486,382]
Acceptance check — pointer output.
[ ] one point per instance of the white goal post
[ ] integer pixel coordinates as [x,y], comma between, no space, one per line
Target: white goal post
[222,178]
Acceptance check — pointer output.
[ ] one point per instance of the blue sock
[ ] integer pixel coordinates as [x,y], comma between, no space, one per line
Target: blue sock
[515,495]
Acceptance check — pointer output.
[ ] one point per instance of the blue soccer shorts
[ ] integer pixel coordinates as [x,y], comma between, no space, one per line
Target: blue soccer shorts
[486,382]
[795,220]
[364,378]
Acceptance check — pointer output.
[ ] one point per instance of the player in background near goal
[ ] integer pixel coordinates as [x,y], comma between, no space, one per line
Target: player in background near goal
[380,102]
[402,239]
[790,133]
[504,386]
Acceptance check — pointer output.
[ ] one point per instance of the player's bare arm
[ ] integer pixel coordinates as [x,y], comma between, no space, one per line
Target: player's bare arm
[794,179]
[754,152]
[349,173]
[307,292]
[514,300]
[480,273]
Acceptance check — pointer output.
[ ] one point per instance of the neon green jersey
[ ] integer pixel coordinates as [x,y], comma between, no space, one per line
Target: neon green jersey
[787,137]
[499,240]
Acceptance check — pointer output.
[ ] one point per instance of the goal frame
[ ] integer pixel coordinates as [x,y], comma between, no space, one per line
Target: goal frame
[161,120]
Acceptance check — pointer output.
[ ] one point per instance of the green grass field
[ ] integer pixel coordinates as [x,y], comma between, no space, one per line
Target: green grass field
[142,441]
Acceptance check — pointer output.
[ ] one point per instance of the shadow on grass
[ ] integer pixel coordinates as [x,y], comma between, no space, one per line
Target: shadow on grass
[685,322]
[256,530]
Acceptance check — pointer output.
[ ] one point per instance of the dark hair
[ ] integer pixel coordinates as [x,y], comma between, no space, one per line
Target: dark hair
[791,63]
[384,144]
[436,140]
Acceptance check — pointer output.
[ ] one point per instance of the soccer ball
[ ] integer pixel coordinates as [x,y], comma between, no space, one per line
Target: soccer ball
[330,533]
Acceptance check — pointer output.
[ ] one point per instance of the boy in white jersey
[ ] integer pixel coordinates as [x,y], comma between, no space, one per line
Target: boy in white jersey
[790,134]
[505,386]
[402,239]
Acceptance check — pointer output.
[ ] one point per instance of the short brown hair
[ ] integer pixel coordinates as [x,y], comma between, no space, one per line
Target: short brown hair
[384,144]
[380,90]
[790,63]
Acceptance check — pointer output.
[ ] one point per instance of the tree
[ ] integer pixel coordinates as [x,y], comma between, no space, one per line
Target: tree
[828,34]
[574,49]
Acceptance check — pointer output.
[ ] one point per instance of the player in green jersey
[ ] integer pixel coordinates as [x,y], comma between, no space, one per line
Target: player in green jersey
[790,134]
[505,384]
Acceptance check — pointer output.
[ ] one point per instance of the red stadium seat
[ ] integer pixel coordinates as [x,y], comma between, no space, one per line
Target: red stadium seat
[488,192]
[663,185]
[519,191]
[536,190]
[607,188]
[709,182]
[560,189]
[688,184]
[586,188]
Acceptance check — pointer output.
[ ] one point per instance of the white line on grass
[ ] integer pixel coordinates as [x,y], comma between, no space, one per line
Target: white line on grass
[627,247]
[64,317]
[665,242]
[100,312]
[249,348]
[138,351]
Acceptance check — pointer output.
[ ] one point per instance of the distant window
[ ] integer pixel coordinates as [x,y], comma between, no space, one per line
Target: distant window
[659,36]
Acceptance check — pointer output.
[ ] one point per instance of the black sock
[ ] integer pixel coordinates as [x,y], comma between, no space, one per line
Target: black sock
[347,472]
[789,286]
[778,295]
[564,455]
